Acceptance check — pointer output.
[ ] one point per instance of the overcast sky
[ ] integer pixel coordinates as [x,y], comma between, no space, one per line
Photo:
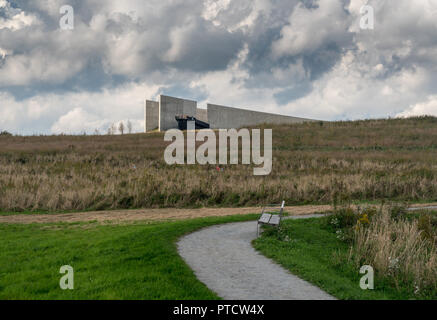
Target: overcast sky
[304,58]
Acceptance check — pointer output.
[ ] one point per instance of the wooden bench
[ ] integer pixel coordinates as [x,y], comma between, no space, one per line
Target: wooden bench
[271,215]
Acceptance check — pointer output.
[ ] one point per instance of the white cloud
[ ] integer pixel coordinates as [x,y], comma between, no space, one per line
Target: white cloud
[24,69]
[4,53]
[213,7]
[432,6]
[75,112]
[343,93]
[15,19]
[348,93]
[77,120]
[312,28]
[427,108]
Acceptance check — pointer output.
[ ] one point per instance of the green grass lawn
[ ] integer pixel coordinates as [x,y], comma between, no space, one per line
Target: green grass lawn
[140,261]
[135,261]
[314,253]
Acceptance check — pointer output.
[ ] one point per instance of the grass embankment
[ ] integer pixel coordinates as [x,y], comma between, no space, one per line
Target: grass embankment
[314,250]
[135,261]
[313,163]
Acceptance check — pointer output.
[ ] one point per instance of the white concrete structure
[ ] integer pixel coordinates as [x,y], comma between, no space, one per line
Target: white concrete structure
[220,117]
[151,115]
[170,107]
[161,115]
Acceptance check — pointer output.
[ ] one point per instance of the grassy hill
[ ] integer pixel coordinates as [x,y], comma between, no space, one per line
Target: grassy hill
[312,163]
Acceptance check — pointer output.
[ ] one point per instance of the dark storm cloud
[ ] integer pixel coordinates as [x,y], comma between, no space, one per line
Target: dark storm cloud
[197,93]
[297,91]
[107,46]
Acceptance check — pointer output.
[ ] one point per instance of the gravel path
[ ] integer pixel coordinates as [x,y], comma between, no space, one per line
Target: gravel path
[223,258]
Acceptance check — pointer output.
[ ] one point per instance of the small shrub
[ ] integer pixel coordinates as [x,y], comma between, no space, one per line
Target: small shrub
[343,218]
[425,227]
[397,212]
[397,250]
[5,134]
[365,216]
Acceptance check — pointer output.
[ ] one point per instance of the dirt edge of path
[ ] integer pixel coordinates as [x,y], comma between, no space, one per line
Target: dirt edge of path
[148,214]
[121,216]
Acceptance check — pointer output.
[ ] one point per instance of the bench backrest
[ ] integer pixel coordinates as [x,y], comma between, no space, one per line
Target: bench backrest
[273,209]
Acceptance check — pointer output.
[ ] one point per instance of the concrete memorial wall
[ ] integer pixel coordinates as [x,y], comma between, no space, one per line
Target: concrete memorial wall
[221,117]
[161,115]
[170,107]
[151,115]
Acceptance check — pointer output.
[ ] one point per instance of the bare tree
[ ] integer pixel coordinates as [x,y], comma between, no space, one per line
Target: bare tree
[121,127]
[111,129]
[129,126]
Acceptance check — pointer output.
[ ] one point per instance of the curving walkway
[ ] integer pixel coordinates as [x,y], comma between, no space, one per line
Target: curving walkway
[223,258]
